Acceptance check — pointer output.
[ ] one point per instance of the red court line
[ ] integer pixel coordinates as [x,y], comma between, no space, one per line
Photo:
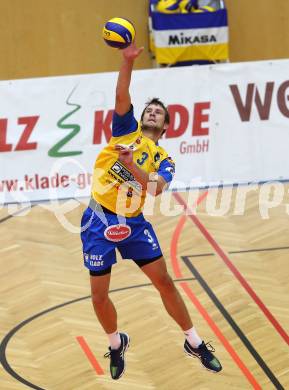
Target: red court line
[201,309]
[234,270]
[90,356]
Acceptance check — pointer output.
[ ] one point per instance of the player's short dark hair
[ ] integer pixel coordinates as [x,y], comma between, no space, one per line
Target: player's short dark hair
[157,102]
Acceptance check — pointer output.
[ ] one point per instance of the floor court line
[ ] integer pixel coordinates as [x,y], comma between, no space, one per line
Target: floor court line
[281,248]
[90,356]
[257,357]
[178,274]
[11,334]
[233,269]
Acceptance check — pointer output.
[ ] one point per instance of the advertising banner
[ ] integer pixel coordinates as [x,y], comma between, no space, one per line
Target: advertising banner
[229,124]
[190,37]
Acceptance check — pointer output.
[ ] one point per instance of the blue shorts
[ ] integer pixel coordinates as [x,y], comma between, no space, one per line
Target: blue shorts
[102,233]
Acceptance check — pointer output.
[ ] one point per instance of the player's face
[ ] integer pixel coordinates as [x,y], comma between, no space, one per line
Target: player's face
[154,117]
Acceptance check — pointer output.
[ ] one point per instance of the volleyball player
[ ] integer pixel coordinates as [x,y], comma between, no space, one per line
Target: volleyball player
[128,167]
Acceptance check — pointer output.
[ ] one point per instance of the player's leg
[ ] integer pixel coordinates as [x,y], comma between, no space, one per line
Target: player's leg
[107,316]
[145,243]
[175,306]
[102,304]
[172,300]
[143,247]
[99,256]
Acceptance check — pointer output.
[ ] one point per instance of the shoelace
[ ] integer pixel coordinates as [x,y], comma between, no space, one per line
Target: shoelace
[205,352]
[211,348]
[113,354]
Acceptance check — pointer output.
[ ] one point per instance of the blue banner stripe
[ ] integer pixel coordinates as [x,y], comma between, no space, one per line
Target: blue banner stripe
[162,21]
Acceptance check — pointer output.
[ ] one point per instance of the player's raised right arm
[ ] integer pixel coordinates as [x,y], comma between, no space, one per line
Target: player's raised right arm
[122,97]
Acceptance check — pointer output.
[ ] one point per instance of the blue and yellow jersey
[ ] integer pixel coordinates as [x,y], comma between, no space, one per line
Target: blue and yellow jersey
[114,186]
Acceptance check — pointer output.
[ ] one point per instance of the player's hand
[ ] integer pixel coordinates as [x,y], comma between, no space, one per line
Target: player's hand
[132,51]
[125,154]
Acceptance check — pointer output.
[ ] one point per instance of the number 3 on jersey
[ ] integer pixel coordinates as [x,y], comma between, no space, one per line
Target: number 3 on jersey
[151,240]
[140,161]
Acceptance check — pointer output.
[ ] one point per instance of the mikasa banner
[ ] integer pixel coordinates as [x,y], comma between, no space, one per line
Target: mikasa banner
[190,37]
[229,124]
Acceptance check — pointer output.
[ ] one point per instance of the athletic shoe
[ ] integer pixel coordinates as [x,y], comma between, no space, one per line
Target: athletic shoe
[208,360]
[117,361]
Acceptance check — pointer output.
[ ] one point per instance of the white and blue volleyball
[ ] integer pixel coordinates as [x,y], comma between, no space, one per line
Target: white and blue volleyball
[118,33]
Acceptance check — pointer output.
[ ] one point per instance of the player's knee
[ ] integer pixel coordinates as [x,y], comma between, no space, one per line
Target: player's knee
[164,283]
[99,298]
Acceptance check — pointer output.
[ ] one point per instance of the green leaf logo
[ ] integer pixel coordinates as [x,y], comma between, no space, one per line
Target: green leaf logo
[55,151]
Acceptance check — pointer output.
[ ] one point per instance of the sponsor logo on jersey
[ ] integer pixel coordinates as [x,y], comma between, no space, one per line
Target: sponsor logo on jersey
[125,175]
[117,233]
[122,172]
[94,263]
[93,260]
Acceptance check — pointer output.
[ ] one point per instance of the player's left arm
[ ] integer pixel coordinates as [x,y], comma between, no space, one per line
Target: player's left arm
[156,182]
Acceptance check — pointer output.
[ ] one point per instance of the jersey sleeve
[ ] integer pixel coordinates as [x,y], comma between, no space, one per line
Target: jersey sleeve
[124,124]
[167,169]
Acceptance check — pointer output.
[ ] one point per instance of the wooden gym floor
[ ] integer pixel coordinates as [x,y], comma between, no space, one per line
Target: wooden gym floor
[232,271]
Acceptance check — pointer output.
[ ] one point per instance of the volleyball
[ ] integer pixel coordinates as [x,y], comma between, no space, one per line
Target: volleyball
[118,32]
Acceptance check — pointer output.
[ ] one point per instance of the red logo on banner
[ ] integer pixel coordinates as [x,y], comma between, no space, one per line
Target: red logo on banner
[117,233]
[263,101]
[179,120]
